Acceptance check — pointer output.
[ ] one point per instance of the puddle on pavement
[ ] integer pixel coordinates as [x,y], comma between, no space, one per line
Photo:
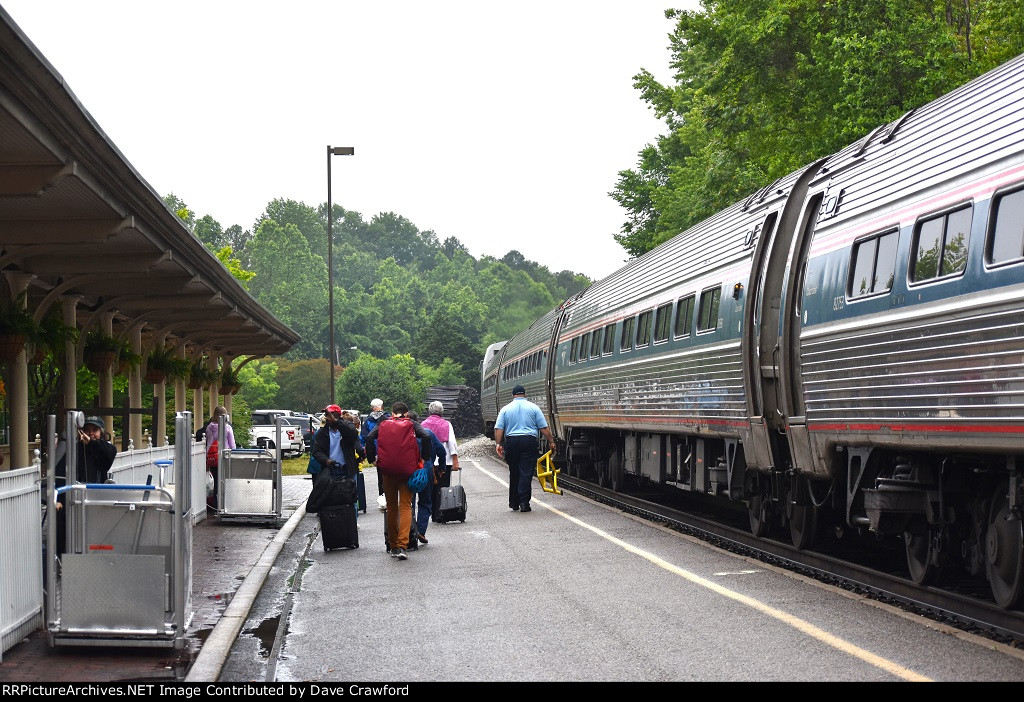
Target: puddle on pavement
[265,632]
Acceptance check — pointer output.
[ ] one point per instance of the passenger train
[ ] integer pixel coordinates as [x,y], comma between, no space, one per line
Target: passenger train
[841,350]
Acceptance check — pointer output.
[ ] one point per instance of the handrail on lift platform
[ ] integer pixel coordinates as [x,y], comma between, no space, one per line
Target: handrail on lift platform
[546,469]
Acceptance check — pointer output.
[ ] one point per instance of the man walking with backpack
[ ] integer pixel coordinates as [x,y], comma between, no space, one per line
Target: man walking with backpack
[393,445]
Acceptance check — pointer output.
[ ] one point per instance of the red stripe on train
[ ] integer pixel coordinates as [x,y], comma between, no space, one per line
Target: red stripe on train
[945,428]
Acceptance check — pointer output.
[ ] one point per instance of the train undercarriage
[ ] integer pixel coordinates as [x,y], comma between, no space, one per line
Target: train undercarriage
[950,513]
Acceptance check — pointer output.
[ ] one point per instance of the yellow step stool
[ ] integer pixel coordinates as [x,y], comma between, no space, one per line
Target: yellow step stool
[546,469]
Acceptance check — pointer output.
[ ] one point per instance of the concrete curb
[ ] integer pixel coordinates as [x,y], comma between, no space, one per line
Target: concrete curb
[215,650]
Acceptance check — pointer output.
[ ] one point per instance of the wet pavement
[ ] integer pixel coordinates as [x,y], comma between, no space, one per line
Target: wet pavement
[226,564]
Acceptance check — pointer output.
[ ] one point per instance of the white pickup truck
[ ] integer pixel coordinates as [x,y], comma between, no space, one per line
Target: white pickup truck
[264,430]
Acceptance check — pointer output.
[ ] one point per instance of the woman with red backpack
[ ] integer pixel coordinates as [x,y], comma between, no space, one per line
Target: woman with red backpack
[213,446]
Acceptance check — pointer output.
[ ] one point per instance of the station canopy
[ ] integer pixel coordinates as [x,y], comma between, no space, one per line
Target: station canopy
[79,220]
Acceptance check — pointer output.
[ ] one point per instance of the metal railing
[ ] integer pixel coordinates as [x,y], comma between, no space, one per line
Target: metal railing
[21,554]
[21,514]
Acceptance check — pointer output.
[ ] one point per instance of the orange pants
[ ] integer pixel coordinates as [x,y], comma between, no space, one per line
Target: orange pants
[399,515]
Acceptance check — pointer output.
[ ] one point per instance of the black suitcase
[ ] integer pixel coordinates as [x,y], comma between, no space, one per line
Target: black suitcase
[451,503]
[414,543]
[361,491]
[338,527]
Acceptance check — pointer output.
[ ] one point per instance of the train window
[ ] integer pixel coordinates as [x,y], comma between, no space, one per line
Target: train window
[940,245]
[626,340]
[609,338]
[643,329]
[873,264]
[1007,238]
[662,321]
[595,345]
[707,317]
[584,346]
[684,316]
[574,350]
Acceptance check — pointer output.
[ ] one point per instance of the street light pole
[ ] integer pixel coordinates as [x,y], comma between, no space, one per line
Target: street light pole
[332,151]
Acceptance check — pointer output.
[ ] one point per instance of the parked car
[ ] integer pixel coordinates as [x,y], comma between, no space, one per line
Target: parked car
[304,425]
[264,431]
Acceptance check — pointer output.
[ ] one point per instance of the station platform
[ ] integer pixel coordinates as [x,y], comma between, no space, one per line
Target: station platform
[228,561]
[574,591]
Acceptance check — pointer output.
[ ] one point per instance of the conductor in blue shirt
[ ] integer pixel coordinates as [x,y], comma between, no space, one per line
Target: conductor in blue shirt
[515,434]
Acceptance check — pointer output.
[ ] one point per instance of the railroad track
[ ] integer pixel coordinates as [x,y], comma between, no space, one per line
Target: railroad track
[874,576]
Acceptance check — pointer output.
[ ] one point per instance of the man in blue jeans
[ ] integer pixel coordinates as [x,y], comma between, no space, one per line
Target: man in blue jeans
[515,434]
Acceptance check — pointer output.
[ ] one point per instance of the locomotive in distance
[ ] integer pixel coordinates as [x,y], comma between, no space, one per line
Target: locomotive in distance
[841,350]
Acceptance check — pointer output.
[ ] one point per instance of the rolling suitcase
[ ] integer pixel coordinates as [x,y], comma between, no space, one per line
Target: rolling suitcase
[361,491]
[338,527]
[413,545]
[451,503]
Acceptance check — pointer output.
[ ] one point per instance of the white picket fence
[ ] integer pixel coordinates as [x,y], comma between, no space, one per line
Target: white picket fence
[21,514]
[21,554]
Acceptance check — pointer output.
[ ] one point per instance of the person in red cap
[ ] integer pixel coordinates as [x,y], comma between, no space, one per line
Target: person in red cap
[336,444]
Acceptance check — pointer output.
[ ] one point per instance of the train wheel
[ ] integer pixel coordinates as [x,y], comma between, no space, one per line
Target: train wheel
[803,518]
[616,471]
[803,525]
[921,557]
[603,474]
[759,510]
[1004,540]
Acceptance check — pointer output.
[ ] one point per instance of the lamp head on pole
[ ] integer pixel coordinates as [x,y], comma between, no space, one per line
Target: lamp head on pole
[342,150]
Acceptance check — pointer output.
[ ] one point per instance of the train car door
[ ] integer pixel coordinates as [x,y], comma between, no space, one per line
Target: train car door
[762,338]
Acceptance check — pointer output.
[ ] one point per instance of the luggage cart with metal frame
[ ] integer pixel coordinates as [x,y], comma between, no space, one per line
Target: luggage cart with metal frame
[249,482]
[125,578]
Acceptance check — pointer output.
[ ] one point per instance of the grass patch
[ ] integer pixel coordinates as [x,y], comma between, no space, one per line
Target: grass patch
[295,466]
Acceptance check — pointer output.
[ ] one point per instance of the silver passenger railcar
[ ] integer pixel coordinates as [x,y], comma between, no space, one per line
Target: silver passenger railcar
[843,348]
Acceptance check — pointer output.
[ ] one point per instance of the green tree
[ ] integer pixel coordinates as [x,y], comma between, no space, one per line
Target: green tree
[290,282]
[441,339]
[235,266]
[236,238]
[209,231]
[259,383]
[394,379]
[766,86]
[305,385]
[306,219]
[179,208]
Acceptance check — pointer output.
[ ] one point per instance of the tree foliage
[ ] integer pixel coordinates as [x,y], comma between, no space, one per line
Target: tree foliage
[394,379]
[763,87]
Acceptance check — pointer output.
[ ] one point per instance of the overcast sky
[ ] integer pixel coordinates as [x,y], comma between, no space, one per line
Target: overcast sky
[502,124]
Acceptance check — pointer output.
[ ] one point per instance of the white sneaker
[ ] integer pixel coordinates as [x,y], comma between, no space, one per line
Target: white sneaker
[382,503]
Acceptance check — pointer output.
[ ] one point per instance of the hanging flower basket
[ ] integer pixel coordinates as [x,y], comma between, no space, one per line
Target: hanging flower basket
[99,361]
[156,376]
[195,383]
[11,345]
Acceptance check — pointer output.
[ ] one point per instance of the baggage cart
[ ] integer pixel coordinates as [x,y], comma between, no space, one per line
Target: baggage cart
[124,577]
[249,483]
